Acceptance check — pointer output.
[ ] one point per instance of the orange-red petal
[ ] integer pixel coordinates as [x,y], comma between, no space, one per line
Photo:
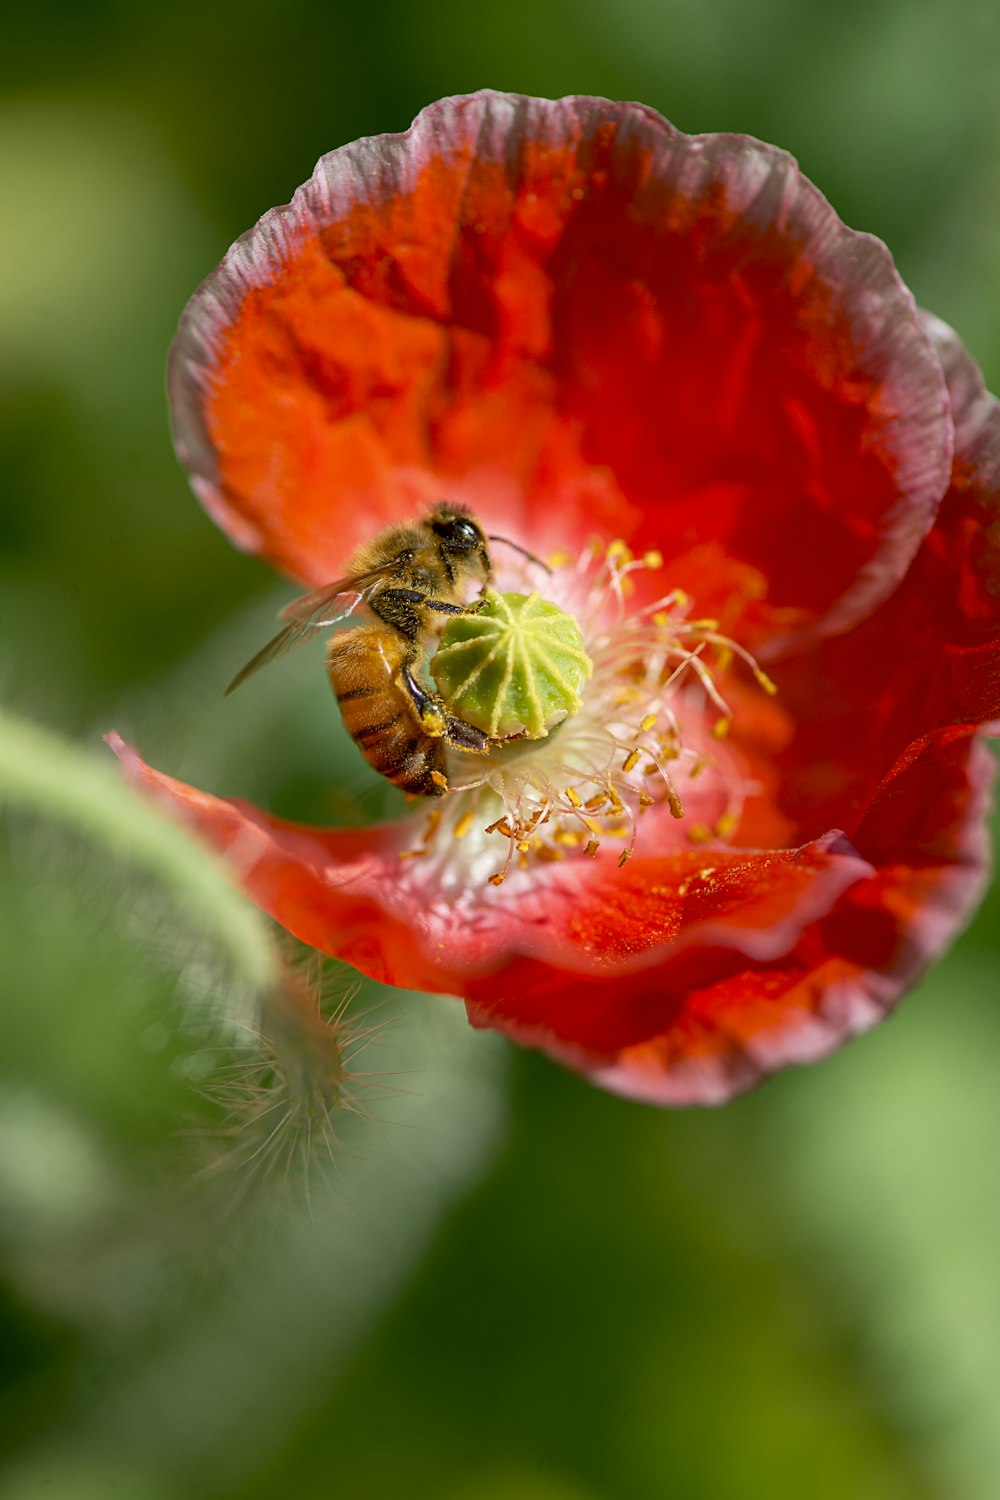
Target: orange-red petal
[575,318]
[705,1025]
[928,659]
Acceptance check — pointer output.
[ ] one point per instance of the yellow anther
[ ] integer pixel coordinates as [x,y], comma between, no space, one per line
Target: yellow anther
[559,559]
[631,760]
[496,879]
[411,853]
[619,551]
[572,795]
[700,765]
[648,723]
[592,847]
[702,624]
[523,846]
[727,825]
[439,780]
[645,801]
[569,839]
[652,559]
[674,803]
[723,658]
[700,833]
[624,858]
[721,728]
[548,854]
[593,804]
[501,826]
[463,825]
[765,682]
[662,619]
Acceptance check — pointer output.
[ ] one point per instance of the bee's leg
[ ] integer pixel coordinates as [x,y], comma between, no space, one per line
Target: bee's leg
[439,724]
[398,608]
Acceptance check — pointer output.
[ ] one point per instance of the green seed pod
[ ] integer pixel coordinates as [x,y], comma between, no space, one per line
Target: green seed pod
[516,668]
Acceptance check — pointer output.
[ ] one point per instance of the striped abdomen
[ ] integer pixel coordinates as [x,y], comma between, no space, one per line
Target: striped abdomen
[363,666]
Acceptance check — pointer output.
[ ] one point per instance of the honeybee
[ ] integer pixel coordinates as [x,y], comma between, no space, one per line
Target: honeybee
[407,577]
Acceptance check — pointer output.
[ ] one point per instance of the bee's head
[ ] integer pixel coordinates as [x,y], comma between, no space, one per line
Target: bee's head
[461,537]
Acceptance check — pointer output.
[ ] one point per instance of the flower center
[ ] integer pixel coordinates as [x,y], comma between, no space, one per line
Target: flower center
[515,669]
[600,713]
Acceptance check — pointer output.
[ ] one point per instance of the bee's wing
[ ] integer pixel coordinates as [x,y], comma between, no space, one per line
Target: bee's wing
[311,613]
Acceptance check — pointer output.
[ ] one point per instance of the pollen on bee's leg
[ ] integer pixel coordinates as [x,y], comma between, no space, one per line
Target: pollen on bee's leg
[439,779]
[432,720]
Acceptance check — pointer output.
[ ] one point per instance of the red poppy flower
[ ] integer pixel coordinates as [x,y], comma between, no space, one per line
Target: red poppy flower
[612,340]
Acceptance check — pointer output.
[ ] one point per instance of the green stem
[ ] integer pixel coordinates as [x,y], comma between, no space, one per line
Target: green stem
[41,773]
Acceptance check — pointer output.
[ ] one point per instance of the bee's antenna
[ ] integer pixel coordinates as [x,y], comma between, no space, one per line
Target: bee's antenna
[523,551]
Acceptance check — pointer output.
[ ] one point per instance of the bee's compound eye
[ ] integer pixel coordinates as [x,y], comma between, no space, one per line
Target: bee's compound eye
[459,533]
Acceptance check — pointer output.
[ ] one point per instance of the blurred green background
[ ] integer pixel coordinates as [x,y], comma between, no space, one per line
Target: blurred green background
[504,1285]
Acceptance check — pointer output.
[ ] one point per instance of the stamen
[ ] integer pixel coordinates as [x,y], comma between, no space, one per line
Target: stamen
[642,731]
[463,825]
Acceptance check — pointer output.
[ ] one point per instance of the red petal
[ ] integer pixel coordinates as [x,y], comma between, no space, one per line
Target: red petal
[587,971]
[928,659]
[708,1028]
[683,979]
[573,317]
[348,892]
